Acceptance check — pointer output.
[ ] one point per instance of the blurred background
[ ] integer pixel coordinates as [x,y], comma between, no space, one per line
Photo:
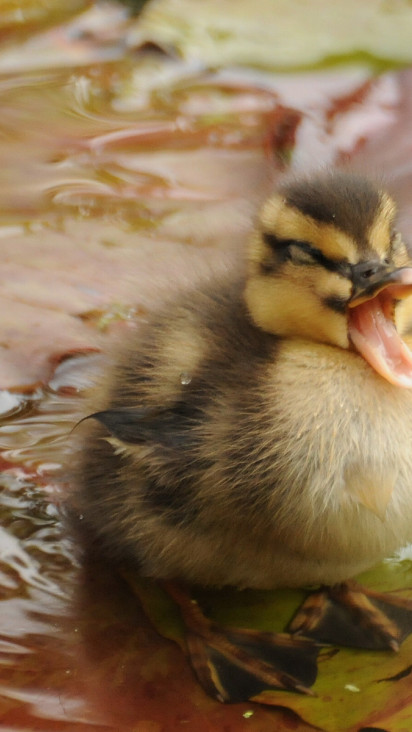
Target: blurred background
[136,141]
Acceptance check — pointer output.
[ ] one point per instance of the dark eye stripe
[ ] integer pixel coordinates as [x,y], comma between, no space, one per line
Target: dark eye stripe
[336,303]
[281,247]
[278,245]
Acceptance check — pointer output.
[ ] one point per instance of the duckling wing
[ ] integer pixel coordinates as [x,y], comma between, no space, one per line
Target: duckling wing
[139,425]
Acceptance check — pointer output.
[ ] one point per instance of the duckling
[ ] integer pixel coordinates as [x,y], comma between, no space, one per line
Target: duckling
[257,432]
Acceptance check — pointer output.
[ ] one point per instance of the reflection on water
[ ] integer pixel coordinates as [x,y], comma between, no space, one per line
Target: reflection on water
[37,567]
[89,159]
[116,167]
[75,650]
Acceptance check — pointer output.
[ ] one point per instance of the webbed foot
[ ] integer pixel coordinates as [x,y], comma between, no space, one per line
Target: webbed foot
[351,615]
[236,665]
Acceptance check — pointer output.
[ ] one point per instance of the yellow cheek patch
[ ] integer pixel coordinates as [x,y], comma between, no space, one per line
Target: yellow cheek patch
[291,308]
[330,284]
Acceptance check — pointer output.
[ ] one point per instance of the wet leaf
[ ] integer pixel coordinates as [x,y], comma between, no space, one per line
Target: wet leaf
[354,688]
[268,35]
[122,174]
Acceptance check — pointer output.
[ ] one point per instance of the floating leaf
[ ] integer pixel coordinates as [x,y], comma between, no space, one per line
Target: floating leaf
[354,688]
[272,34]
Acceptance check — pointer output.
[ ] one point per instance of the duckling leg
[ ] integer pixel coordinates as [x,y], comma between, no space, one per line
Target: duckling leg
[351,615]
[236,665]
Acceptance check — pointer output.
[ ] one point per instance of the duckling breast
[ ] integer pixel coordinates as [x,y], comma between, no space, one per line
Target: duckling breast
[345,457]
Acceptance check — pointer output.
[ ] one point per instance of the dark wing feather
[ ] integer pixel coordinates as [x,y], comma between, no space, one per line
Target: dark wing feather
[167,426]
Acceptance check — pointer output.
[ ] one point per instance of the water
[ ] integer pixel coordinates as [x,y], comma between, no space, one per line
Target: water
[119,172]
[185,378]
[99,179]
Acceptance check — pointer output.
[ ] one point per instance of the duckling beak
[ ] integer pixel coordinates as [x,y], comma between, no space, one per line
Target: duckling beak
[372,327]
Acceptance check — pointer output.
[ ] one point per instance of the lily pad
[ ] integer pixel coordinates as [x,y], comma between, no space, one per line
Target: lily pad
[354,688]
[267,34]
[120,170]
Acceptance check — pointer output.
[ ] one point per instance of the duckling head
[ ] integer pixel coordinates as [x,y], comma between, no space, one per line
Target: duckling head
[327,264]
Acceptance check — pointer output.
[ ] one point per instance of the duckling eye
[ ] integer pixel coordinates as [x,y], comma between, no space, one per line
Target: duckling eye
[301,254]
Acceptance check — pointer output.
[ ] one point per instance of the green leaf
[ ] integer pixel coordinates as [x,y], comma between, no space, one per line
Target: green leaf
[354,689]
[274,34]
